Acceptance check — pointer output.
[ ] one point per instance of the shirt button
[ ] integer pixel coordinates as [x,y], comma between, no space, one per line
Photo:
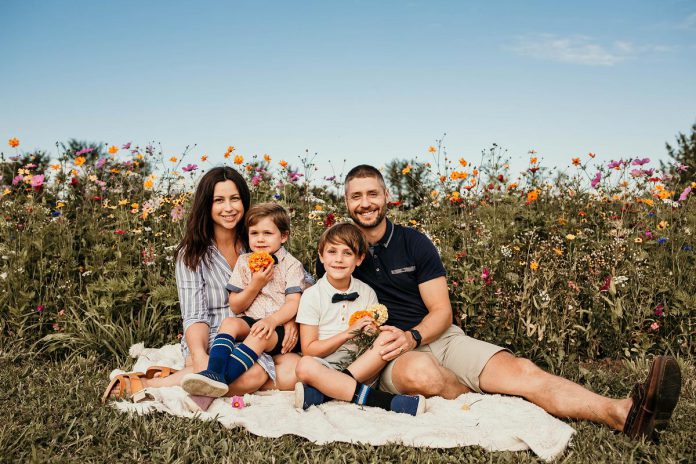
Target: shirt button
[377,269]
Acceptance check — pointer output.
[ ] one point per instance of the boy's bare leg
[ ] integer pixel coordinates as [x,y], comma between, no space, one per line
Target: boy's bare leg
[370,363]
[330,382]
[235,326]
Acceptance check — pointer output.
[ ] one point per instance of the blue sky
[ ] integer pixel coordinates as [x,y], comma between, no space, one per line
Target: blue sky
[367,81]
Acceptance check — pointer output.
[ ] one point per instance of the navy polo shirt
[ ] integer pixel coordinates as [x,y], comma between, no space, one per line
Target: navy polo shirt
[395,266]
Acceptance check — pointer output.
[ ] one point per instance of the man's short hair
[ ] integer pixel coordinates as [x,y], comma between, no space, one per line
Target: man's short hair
[344,233]
[274,211]
[365,170]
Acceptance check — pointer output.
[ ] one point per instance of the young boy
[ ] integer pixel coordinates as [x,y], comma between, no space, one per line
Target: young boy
[265,300]
[323,315]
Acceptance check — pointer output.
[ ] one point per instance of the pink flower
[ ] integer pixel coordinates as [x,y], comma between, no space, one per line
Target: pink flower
[126,146]
[648,234]
[40,308]
[84,151]
[685,193]
[177,213]
[640,162]
[189,167]
[256,180]
[486,276]
[17,179]
[615,164]
[654,326]
[637,172]
[119,231]
[37,181]
[238,402]
[596,179]
[100,163]
[659,310]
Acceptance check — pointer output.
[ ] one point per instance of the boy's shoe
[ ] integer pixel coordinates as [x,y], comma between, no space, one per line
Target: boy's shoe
[196,403]
[306,396]
[408,404]
[204,383]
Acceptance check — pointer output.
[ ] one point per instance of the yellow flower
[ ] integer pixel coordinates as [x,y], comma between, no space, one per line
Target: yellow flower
[318,208]
[638,240]
[204,158]
[413,222]
[113,149]
[13,142]
[455,194]
[80,160]
[55,167]
[92,178]
[693,185]
[6,191]
[283,163]
[406,170]
[533,265]
[135,206]
[432,149]
[663,225]
[463,162]
[114,171]
[173,159]
[512,186]
[267,158]
[558,251]
[434,193]
[570,237]
[122,202]
[239,159]
[60,204]
[73,172]
[148,184]
[562,221]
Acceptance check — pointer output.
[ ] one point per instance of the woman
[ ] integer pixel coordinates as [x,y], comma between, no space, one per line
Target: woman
[215,236]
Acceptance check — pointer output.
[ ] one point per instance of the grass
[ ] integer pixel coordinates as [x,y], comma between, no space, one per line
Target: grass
[51,413]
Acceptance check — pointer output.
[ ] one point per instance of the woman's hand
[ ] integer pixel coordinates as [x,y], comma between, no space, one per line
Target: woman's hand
[263,328]
[360,325]
[290,339]
[262,277]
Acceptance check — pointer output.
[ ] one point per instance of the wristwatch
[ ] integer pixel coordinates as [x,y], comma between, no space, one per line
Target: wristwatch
[416,336]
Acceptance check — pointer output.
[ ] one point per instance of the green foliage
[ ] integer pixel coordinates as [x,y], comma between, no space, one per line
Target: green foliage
[684,156]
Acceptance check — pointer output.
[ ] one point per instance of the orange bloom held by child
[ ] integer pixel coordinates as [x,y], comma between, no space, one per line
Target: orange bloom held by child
[260,260]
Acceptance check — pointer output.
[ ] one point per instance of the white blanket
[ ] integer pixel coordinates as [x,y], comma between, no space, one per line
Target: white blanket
[494,422]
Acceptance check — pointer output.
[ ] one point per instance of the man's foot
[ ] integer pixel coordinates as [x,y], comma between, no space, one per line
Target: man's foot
[408,404]
[654,400]
[196,403]
[204,383]
[306,396]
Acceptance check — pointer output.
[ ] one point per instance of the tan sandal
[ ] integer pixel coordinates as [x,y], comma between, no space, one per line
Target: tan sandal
[163,371]
[129,385]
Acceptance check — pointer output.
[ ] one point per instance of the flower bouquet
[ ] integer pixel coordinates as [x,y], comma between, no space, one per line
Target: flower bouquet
[365,338]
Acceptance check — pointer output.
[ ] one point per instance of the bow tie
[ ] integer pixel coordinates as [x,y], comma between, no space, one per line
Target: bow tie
[344,297]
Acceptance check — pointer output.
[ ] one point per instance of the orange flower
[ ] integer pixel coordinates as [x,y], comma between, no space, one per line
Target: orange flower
[558,251]
[591,155]
[533,265]
[463,162]
[239,159]
[204,158]
[475,172]
[283,163]
[406,170]
[267,158]
[533,195]
[148,184]
[13,142]
[55,167]
[533,160]
[432,149]
[357,315]
[512,186]
[173,159]
[249,167]
[113,149]
[230,149]
[260,260]
[80,160]
[227,155]
[576,161]
[443,179]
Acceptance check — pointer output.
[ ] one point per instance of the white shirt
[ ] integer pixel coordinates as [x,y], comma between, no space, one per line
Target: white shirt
[317,309]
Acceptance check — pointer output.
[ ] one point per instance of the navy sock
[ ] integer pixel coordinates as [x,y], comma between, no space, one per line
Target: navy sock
[223,345]
[240,360]
[367,396]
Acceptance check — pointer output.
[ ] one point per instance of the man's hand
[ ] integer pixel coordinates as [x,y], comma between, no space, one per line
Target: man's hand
[361,324]
[400,342]
[290,339]
[263,328]
[262,277]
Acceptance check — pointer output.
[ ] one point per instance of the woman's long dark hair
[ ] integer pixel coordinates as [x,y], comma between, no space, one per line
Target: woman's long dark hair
[199,226]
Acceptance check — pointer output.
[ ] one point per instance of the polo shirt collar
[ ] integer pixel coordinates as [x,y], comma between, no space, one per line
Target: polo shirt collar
[388,234]
[330,289]
[281,253]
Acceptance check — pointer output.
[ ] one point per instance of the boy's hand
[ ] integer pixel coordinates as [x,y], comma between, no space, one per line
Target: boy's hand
[263,328]
[290,339]
[262,277]
[359,325]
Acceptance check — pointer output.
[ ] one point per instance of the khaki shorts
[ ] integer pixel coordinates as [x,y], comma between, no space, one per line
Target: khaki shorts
[463,355]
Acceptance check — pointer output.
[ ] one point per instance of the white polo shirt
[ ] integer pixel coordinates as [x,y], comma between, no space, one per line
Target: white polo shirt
[317,309]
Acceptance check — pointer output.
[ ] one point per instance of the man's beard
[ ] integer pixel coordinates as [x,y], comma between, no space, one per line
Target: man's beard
[381,214]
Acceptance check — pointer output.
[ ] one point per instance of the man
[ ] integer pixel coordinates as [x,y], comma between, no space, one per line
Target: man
[428,355]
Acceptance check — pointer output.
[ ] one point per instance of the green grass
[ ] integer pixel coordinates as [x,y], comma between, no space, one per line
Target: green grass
[50,412]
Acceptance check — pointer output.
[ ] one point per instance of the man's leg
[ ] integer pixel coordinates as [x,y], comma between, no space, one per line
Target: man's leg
[504,373]
[419,372]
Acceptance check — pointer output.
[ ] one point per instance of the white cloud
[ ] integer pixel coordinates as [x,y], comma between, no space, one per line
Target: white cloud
[580,49]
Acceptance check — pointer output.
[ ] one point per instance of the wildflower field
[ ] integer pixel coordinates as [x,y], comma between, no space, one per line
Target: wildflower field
[585,269]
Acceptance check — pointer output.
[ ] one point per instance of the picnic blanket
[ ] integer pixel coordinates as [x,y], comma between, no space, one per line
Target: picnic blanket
[494,422]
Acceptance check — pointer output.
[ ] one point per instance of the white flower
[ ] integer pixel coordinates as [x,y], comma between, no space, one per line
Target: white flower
[3,275]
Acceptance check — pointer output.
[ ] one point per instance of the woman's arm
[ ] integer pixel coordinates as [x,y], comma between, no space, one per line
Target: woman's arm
[312,346]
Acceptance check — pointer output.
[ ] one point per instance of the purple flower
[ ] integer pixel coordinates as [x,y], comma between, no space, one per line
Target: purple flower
[596,179]
[100,163]
[637,172]
[189,167]
[688,248]
[84,151]
[648,234]
[14,158]
[332,178]
[662,240]
[30,166]
[150,150]
[126,146]
[640,162]
[615,164]
[685,193]
[37,181]
[17,179]
[277,196]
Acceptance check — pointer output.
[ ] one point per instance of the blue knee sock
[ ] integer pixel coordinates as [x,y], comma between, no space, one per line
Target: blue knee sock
[223,345]
[366,396]
[240,360]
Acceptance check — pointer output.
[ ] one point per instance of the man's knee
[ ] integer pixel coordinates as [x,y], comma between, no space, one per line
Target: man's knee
[418,373]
